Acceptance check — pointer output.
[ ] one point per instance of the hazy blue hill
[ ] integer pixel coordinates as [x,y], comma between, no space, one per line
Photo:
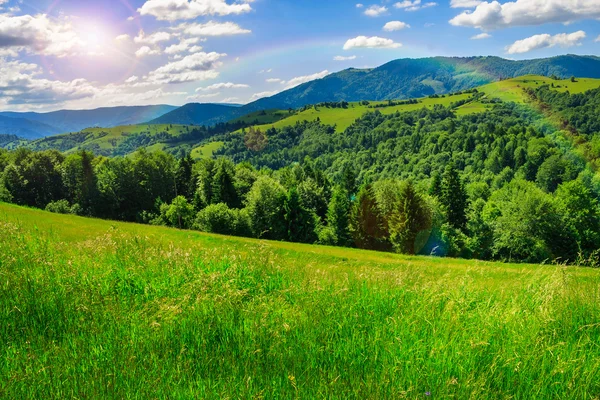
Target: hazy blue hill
[75,120]
[26,128]
[200,114]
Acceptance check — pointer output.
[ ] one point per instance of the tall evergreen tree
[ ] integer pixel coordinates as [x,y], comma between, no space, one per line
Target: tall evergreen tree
[183,177]
[411,217]
[338,215]
[454,198]
[223,184]
[435,189]
[301,222]
[366,222]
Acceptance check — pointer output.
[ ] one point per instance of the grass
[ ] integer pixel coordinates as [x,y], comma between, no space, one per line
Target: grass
[263,117]
[99,309]
[206,150]
[344,117]
[107,139]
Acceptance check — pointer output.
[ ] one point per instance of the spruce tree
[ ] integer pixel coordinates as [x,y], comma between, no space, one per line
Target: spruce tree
[301,222]
[366,222]
[411,217]
[338,215]
[223,184]
[454,198]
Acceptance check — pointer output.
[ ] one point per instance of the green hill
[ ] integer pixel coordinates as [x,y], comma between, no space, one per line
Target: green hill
[398,79]
[107,309]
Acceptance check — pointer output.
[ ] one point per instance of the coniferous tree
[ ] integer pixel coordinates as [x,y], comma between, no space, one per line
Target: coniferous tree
[454,198]
[184,183]
[338,215]
[411,217]
[435,189]
[223,184]
[301,222]
[366,222]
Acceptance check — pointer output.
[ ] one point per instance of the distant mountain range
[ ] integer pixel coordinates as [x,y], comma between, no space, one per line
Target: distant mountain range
[31,125]
[398,79]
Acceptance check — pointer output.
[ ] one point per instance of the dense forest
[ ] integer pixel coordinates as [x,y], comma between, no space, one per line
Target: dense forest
[504,184]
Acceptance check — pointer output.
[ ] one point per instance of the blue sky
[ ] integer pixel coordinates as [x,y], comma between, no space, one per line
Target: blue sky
[85,54]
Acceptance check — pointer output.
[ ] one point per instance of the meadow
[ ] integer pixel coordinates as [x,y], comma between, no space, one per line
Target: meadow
[101,309]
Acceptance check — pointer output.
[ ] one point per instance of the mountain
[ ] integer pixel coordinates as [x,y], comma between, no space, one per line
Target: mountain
[75,120]
[398,79]
[199,114]
[25,128]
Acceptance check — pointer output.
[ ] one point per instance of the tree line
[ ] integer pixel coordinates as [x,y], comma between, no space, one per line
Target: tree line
[500,185]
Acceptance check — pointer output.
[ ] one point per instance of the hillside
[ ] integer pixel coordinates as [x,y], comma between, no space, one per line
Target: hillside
[509,90]
[75,120]
[198,114]
[158,312]
[25,128]
[402,79]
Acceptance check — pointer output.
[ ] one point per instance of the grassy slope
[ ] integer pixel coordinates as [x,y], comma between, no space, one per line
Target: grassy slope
[109,138]
[98,309]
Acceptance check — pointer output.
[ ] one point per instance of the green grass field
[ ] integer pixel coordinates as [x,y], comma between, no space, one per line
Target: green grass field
[100,309]
[343,118]
[206,150]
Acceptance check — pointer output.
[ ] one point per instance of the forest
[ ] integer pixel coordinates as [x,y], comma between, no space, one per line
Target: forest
[502,185]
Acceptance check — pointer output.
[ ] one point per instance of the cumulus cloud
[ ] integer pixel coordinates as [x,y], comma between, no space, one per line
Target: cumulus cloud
[342,58]
[480,36]
[493,15]
[173,10]
[146,51]
[153,38]
[211,28]
[39,34]
[194,67]
[465,3]
[306,78]
[414,5]
[597,39]
[375,11]
[200,97]
[360,5]
[373,42]
[274,80]
[20,84]
[544,41]
[183,45]
[219,86]
[395,26]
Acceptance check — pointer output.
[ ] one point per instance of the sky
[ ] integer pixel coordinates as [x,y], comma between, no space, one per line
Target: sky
[83,54]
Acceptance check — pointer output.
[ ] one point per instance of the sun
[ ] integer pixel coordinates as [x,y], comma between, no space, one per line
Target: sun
[95,37]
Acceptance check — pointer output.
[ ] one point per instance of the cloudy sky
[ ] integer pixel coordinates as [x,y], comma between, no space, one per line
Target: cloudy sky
[84,54]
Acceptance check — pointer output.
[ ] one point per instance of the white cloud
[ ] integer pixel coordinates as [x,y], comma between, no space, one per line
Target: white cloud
[359,5]
[230,100]
[465,3]
[395,26]
[219,86]
[414,5]
[481,36]
[20,84]
[123,38]
[146,51]
[306,78]
[182,46]
[260,95]
[265,71]
[152,39]
[342,58]
[493,15]
[597,39]
[194,67]
[376,11]
[173,10]
[274,80]
[39,34]
[544,41]
[373,42]
[211,28]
